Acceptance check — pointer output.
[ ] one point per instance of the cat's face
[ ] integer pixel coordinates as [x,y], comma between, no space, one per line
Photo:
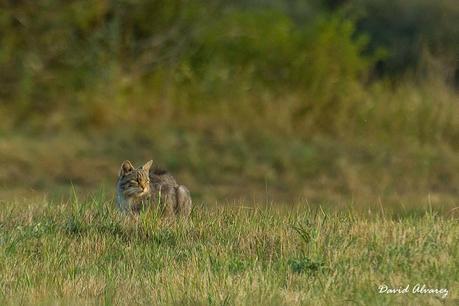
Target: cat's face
[132,182]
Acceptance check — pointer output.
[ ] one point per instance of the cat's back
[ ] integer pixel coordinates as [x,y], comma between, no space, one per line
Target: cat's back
[159,176]
[174,199]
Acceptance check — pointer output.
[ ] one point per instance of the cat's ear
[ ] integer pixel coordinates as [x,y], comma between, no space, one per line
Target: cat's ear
[147,165]
[126,167]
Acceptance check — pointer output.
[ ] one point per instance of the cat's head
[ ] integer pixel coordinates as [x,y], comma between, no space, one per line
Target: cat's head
[134,182]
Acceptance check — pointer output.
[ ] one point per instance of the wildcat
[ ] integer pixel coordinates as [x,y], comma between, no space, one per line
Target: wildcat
[138,188]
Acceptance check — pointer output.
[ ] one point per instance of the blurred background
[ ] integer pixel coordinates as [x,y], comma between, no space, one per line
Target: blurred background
[333,101]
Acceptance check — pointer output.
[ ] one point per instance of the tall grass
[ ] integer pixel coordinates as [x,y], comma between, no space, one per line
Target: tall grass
[83,251]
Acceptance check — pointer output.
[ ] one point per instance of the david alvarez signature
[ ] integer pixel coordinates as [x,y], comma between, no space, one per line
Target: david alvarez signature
[416,289]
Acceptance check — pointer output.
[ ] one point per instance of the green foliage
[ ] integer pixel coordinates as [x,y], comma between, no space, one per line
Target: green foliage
[289,66]
[50,50]
[268,48]
[305,265]
[417,26]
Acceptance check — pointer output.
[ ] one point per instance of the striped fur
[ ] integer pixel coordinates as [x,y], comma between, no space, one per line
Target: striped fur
[173,199]
[133,187]
[142,187]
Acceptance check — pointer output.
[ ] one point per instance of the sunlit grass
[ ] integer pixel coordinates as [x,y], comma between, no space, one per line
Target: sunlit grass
[83,251]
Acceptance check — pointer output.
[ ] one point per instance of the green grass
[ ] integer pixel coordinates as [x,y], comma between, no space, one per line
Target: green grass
[84,252]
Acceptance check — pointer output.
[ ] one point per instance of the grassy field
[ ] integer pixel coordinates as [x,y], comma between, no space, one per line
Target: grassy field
[284,214]
[84,252]
[319,140]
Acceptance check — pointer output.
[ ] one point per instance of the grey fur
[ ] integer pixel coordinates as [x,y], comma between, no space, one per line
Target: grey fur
[163,192]
[173,199]
[132,187]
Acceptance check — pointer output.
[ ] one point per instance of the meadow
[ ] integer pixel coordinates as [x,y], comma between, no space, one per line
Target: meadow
[319,140]
[83,252]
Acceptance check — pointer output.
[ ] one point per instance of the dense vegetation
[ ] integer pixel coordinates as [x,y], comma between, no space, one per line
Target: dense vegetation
[344,95]
[91,59]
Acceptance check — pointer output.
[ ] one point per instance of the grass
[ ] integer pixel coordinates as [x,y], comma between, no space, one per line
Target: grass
[84,252]
[236,167]
[316,180]
[379,208]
